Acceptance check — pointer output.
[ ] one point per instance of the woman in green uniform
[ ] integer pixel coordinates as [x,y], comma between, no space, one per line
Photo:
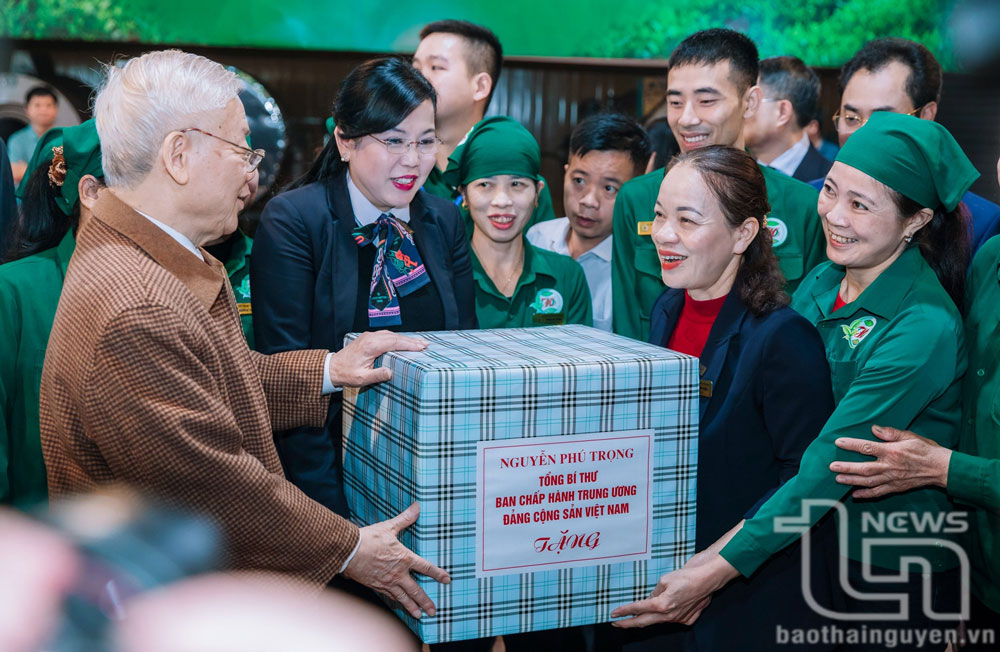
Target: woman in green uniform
[970,473]
[61,184]
[517,284]
[885,306]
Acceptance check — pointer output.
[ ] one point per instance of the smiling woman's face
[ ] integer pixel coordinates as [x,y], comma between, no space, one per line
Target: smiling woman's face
[699,251]
[501,205]
[391,180]
[860,219]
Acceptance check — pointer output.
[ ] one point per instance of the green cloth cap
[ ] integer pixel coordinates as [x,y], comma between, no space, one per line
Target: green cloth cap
[82,153]
[498,145]
[917,158]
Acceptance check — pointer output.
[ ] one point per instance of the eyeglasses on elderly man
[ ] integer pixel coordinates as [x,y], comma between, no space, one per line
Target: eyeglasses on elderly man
[252,157]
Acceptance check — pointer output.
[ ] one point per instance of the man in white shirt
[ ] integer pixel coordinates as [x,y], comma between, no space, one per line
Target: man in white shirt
[776,133]
[605,151]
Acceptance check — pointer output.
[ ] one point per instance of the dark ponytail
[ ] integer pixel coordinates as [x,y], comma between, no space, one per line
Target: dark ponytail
[738,185]
[42,224]
[944,243]
[375,97]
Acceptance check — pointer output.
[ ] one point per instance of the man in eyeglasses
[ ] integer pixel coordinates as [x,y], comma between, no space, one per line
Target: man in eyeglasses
[148,381]
[902,76]
[234,252]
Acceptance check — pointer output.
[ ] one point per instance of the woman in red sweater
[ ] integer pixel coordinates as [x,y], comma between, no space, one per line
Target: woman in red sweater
[765,388]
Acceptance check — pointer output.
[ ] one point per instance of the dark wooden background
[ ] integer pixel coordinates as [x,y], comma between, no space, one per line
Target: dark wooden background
[548,96]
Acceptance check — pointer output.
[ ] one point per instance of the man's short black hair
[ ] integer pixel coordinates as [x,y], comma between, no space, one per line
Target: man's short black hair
[612,132]
[711,46]
[40,91]
[483,52]
[789,78]
[924,82]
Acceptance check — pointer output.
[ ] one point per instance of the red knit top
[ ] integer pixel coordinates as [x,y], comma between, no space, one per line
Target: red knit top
[694,325]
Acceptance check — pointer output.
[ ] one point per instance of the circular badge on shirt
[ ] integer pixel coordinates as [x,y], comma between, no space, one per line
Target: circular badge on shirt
[778,229]
[547,301]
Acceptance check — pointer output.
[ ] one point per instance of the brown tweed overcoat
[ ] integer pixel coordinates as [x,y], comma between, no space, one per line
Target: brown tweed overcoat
[148,382]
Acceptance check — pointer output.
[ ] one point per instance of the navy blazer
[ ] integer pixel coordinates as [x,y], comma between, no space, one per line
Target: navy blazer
[304,285]
[813,166]
[770,396]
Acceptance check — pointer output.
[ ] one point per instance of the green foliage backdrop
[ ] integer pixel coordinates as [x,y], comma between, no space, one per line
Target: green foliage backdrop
[821,32]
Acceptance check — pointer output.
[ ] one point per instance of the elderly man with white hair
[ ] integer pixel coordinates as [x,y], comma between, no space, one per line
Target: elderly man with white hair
[148,380]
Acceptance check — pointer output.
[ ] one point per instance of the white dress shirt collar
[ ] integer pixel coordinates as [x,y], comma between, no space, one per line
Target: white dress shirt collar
[181,239]
[553,234]
[365,212]
[789,160]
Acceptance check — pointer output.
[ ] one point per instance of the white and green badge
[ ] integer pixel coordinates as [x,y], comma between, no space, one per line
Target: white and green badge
[858,330]
[778,229]
[548,307]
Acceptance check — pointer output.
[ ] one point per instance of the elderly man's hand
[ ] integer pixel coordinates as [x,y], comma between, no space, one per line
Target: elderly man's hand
[905,461]
[352,365]
[384,564]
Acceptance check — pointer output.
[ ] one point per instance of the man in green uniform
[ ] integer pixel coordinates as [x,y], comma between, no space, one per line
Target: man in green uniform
[462,61]
[29,294]
[710,92]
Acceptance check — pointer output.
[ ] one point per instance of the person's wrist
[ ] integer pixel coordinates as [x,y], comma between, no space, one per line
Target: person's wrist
[943,466]
[699,559]
[714,571]
[332,370]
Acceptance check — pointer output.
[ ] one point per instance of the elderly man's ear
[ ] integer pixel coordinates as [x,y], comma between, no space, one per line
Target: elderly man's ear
[89,187]
[175,154]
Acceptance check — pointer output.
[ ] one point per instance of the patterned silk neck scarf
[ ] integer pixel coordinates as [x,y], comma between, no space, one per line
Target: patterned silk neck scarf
[398,268]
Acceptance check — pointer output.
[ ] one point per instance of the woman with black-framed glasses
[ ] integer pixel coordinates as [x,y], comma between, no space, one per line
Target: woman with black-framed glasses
[356,245]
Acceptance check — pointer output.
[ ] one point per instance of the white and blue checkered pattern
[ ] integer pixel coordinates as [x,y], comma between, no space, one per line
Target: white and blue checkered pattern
[414,439]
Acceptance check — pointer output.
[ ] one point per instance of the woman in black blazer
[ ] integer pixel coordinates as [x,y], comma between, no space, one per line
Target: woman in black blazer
[765,388]
[319,243]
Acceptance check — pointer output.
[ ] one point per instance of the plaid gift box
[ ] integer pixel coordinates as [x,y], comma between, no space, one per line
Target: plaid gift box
[501,436]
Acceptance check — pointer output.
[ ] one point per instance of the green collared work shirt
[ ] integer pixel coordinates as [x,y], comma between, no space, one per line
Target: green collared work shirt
[436,185]
[974,470]
[552,290]
[636,281]
[897,356]
[29,294]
